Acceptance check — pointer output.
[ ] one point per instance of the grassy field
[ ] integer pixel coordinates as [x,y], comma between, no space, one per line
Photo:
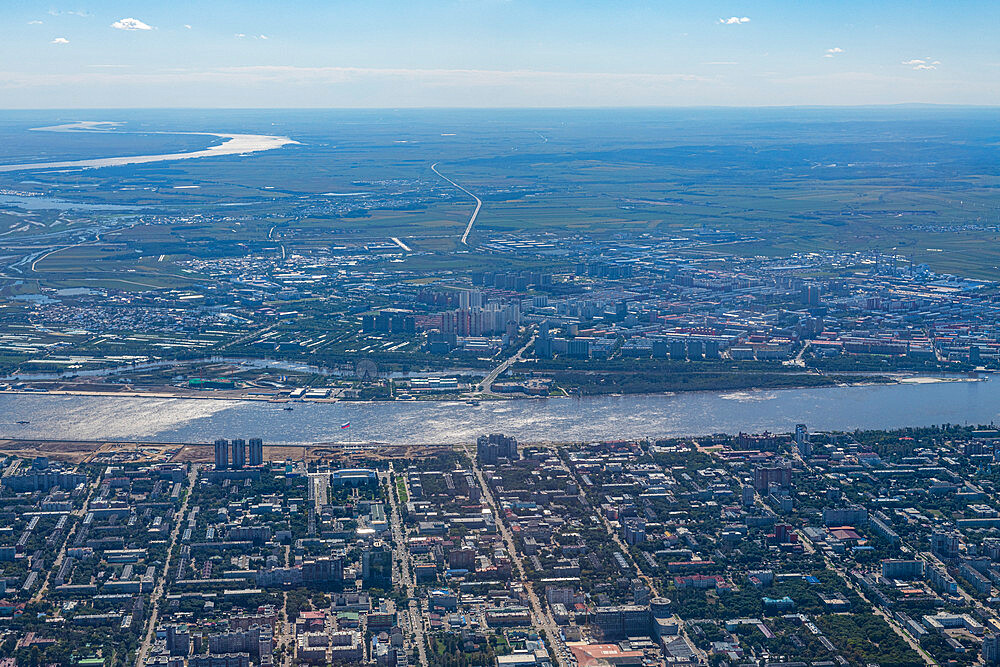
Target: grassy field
[918,182]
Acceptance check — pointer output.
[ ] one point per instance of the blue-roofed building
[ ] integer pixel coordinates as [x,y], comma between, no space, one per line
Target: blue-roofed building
[353,477]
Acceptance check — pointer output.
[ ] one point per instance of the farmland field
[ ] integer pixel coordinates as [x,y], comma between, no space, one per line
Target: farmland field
[920,181]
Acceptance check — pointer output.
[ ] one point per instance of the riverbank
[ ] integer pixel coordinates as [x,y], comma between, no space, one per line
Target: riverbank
[83,451]
[231,144]
[257,395]
[587,418]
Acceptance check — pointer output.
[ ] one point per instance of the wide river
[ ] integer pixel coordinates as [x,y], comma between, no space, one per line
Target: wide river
[232,144]
[566,419]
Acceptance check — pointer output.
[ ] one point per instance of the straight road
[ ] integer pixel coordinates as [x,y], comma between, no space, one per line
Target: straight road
[616,538]
[401,563]
[154,599]
[896,627]
[246,337]
[487,384]
[61,556]
[539,619]
[798,360]
[849,582]
[475,213]
[286,627]
[402,245]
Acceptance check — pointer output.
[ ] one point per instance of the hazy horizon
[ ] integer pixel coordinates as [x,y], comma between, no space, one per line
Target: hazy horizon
[651,107]
[496,53]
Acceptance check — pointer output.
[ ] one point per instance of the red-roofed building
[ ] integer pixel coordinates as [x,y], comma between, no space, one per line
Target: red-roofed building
[310,621]
[846,534]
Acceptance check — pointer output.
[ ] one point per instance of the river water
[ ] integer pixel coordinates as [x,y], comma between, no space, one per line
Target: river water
[545,420]
[232,144]
[54,203]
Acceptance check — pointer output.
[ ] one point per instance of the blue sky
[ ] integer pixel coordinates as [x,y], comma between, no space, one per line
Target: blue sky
[496,53]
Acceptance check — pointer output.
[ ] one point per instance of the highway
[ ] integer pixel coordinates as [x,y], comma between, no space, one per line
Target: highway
[475,213]
[41,245]
[487,384]
[247,337]
[54,251]
[154,599]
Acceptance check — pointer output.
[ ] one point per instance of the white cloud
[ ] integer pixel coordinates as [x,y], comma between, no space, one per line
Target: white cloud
[187,26]
[60,40]
[261,36]
[830,53]
[36,22]
[241,35]
[922,63]
[130,24]
[735,20]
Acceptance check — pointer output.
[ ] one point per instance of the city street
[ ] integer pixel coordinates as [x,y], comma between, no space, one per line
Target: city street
[402,571]
[539,617]
[154,601]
